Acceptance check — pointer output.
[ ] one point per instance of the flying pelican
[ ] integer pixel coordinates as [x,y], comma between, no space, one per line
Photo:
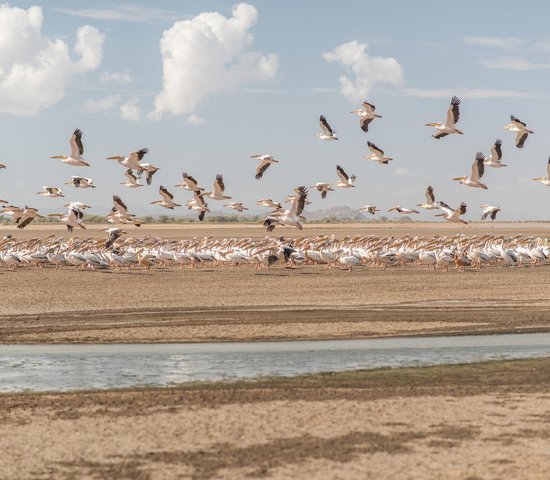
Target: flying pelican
[236,206]
[493,160]
[267,202]
[521,128]
[265,162]
[27,216]
[199,205]
[369,209]
[489,210]
[133,159]
[113,234]
[452,215]
[327,132]
[545,180]
[132,181]
[323,187]
[430,200]
[150,169]
[50,192]
[167,199]
[453,114]
[345,181]
[77,150]
[73,218]
[478,168]
[120,213]
[189,183]
[219,189]
[377,154]
[81,182]
[77,205]
[289,217]
[400,209]
[366,115]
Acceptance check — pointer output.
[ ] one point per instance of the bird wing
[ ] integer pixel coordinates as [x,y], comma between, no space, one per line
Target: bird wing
[453,113]
[520,138]
[325,126]
[496,151]
[24,221]
[130,176]
[485,214]
[461,210]
[141,152]
[364,122]
[219,187]
[199,199]
[119,205]
[165,194]
[261,168]
[343,175]
[299,202]
[190,181]
[548,168]
[369,107]
[494,214]
[517,122]
[77,149]
[374,149]
[478,167]
[149,178]
[446,208]
[430,194]
[440,134]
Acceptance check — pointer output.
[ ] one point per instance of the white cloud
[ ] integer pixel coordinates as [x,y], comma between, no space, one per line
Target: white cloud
[195,119]
[513,63]
[131,110]
[35,70]
[366,71]
[123,13]
[472,93]
[400,171]
[207,55]
[102,105]
[506,43]
[120,78]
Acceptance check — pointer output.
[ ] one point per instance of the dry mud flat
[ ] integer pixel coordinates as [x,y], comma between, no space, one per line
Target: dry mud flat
[484,421]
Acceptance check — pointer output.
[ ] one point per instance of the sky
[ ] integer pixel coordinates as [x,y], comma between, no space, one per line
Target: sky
[204,85]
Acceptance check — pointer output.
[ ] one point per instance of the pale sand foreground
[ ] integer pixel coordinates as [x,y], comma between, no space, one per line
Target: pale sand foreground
[485,421]
[221,304]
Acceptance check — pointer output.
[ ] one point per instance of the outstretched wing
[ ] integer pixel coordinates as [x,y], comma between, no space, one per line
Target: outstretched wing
[343,175]
[453,113]
[430,194]
[77,149]
[327,130]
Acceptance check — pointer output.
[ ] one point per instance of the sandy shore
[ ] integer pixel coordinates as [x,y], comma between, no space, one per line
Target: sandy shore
[484,421]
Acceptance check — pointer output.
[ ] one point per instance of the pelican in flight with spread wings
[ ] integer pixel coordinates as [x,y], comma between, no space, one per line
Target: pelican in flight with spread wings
[447,128]
[167,199]
[73,218]
[345,181]
[377,154]
[495,157]
[133,159]
[402,210]
[150,169]
[545,180]
[133,181]
[219,190]
[189,183]
[478,167]
[489,210]
[265,162]
[369,209]
[430,203]
[327,132]
[50,192]
[80,182]
[238,206]
[366,115]
[323,188]
[77,150]
[452,215]
[289,217]
[522,132]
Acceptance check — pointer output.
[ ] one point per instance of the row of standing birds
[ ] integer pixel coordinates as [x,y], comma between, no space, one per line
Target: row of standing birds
[114,252]
[135,168]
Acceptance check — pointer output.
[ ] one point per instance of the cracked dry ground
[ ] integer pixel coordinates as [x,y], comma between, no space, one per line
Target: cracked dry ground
[484,421]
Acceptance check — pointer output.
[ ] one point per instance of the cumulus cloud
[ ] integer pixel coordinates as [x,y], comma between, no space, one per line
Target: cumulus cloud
[195,119]
[35,70]
[207,55]
[131,110]
[365,72]
[120,78]
[102,105]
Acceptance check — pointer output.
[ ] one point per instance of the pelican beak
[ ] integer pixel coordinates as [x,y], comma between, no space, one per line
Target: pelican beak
[58,156]
[431,124]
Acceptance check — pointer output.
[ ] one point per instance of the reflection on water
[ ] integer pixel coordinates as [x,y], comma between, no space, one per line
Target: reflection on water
[74,367]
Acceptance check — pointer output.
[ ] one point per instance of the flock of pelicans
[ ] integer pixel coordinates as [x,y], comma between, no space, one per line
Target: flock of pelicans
[116,252]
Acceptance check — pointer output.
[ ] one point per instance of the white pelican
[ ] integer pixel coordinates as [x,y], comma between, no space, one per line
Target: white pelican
[77,205]
[430,200]
[50,192]
[133,159]
[377,154]
[73,218]
[189,183]
[236,206]
[289,217]
[114,233]
[120,213]
[366,115]
[545,180]
[400,209]
[369,209]
[452,215]
[167,199]
[265,162]
[493,160]
[323,187]
[453,114]
[81,182]
[77,150]
[267,202]
[219,189]
[22,216]
[199,205]
[489,210]
[478,167]
[349,260]
[3,201]
[132,181]
[345,181]
[521,128]
[150,169]
[327,132]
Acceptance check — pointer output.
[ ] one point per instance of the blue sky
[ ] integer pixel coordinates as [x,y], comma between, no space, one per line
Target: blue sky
[261,89]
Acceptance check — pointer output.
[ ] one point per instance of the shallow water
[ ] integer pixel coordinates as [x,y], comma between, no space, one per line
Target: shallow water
[40,368]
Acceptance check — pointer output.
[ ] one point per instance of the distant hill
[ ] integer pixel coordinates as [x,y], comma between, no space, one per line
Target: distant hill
[335,215]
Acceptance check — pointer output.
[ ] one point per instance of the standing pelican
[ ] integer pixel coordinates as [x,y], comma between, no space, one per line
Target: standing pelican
[430,200]
[493,160]
[366,115]
[133,159]
[345,181]
[522,132]
[489,210]
[327,132]
[50,192]
[545,180]
[377,154]
[323,188]
[219,189]
[452,215]
[478,167]
[447,128]
[77,150]
[167,199]
[265,162]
